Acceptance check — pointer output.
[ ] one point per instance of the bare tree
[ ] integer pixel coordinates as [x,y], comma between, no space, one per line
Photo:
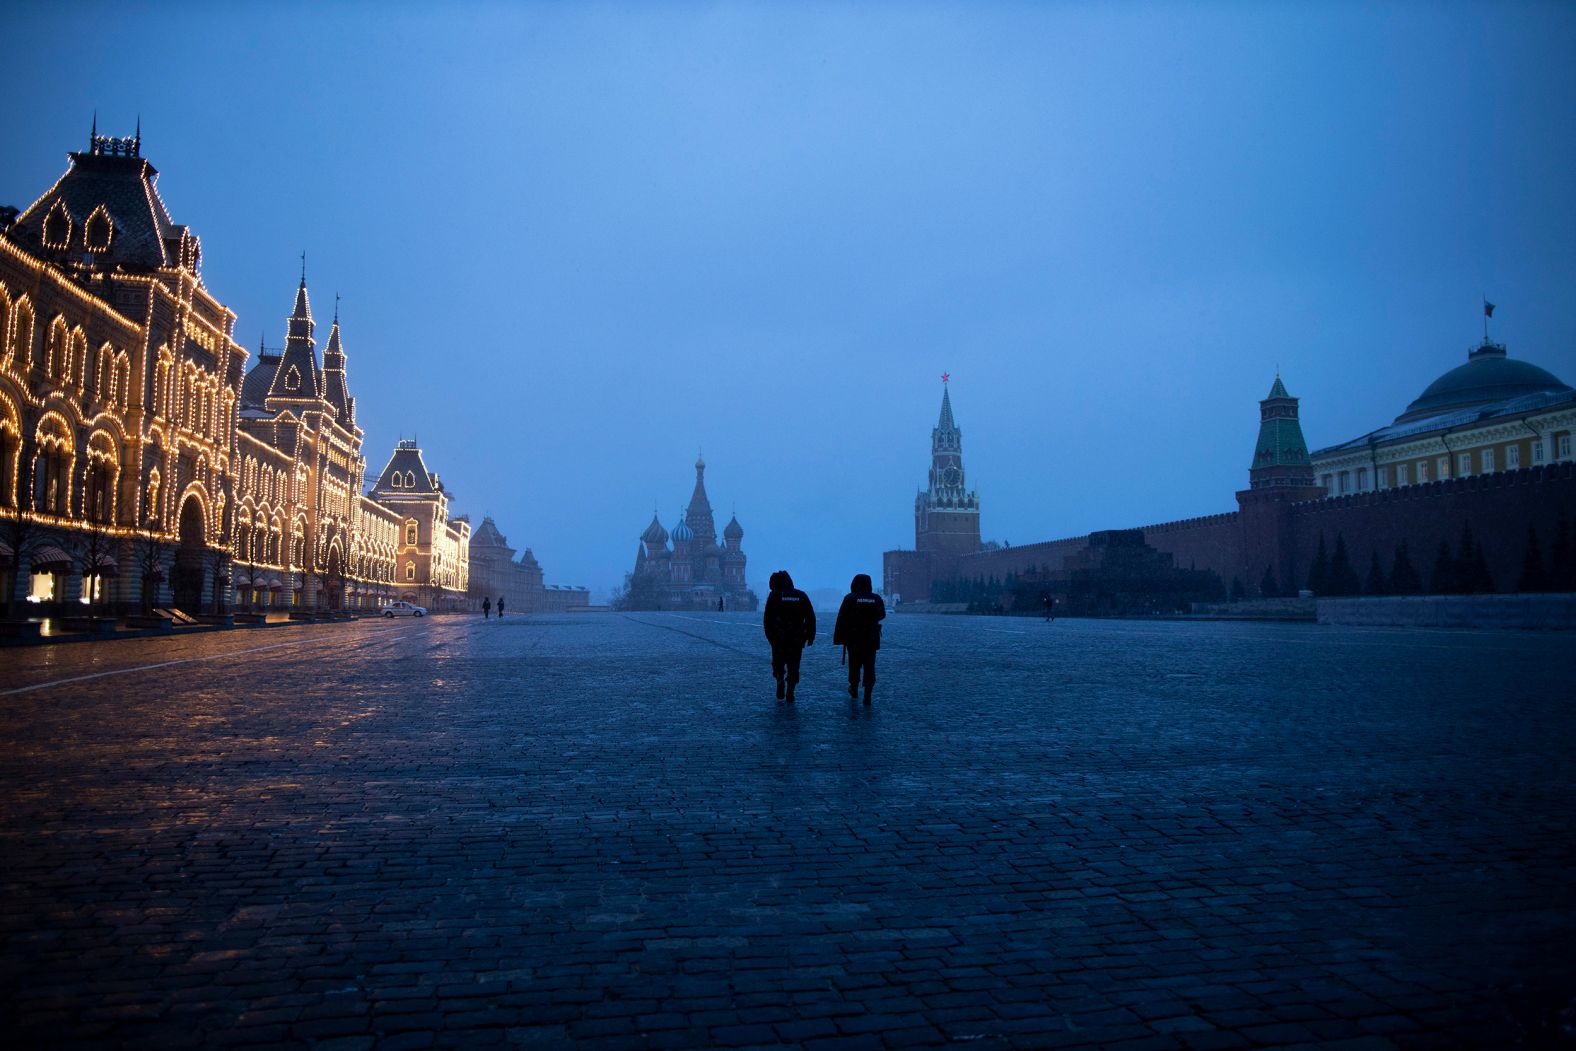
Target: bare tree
[21,532]
[216,567]
[96,550]
[249,576]
[150,550]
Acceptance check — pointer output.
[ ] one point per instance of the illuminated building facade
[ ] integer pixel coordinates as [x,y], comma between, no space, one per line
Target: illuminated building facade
[431,551]
[140,462]
[696,572]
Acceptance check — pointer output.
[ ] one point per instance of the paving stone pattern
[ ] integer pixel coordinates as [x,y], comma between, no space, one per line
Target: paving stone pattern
[604,831]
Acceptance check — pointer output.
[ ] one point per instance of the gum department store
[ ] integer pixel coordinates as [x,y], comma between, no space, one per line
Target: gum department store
[143,463]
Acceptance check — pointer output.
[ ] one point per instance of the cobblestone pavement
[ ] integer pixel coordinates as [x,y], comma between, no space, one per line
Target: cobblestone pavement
[604,830]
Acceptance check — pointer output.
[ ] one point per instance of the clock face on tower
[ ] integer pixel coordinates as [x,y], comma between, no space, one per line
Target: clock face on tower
[950,477]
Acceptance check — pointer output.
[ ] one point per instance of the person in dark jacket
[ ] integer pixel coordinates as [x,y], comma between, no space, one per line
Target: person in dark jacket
[858,628]
[790,627]
[500,607]
[486,608]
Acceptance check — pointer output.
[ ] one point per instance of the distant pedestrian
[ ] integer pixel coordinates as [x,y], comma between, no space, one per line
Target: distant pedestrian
[500,607]
[719,606]
[858,631]
[487,608]
[1050,606]
[790,627]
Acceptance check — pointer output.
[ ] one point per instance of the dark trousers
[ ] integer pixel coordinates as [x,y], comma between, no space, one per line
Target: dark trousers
[861,659]
[786,656]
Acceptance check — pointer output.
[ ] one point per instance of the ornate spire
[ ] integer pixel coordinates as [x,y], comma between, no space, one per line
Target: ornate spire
[945,422]
[297,374]
[698,516]
[1280,457]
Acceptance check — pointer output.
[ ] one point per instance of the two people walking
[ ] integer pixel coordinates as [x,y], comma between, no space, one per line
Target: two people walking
[790,627]
[487,607]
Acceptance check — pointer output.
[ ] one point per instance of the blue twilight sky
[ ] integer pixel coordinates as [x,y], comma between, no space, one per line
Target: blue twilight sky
[577,242]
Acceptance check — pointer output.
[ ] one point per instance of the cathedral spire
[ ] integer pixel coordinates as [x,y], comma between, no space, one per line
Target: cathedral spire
[699,515]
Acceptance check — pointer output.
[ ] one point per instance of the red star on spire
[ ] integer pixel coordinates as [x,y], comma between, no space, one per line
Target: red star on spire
[945,376]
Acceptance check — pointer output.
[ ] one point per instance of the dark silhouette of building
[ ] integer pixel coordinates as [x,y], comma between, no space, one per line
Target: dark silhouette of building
[697,571]
[946,517]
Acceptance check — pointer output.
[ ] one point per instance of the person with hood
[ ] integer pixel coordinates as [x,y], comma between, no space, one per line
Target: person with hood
[790,627]
[858,630]
[486,608]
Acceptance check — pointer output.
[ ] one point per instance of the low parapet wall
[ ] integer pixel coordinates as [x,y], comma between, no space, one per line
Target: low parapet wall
[1540,612]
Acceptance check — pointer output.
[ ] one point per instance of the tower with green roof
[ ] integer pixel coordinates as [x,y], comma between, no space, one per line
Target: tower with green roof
[1280,459]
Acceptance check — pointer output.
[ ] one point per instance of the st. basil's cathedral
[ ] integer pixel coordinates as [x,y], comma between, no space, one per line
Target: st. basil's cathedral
[696,572]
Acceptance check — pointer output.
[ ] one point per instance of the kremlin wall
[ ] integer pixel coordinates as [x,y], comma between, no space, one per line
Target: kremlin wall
[1485,452]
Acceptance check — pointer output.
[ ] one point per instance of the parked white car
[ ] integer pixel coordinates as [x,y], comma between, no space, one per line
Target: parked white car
[404,609]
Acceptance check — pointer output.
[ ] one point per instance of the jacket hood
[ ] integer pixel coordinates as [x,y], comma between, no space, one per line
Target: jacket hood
[780,581]
[861,584]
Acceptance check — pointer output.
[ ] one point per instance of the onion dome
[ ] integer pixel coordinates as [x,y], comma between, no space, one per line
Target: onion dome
[733,530]
[682,532]
[655,534]
[1488,376]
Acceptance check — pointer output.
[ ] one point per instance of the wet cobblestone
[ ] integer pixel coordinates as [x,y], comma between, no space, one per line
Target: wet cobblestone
[604,830]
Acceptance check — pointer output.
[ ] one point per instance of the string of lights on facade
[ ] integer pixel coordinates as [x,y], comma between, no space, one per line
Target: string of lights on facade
[142,462]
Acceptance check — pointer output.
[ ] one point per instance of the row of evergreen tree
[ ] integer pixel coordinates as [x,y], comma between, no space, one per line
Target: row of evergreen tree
[1459,570]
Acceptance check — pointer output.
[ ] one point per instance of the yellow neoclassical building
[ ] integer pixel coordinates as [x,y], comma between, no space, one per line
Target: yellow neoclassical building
[1492,414]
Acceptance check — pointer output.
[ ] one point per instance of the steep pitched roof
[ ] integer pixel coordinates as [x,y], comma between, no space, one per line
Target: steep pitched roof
[408,464]
[143,236]
[945,422]
[259,378]
[336,389]
[487,535]
[297,375]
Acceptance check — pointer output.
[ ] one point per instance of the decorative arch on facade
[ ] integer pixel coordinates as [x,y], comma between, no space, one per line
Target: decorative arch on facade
[58,227]
[98,231]
[10,448]
[199,492]
[163,382]
[103,477]
[53,464]
[103,373]
[276,534]
[77,358]
[56,350]
[122,390]
[20,334]
[5,326]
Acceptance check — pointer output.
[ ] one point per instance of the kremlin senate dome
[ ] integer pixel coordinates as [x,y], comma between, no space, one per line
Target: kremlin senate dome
[1487,377]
